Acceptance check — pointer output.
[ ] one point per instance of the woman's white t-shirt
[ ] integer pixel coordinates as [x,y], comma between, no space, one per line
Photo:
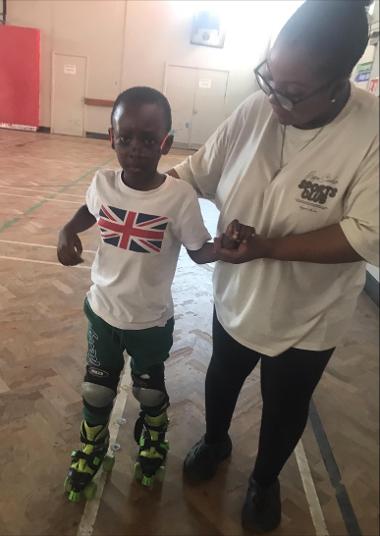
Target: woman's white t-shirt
[330,176]
[141,234]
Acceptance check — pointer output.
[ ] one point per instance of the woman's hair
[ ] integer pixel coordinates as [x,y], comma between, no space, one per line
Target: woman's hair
[333,31]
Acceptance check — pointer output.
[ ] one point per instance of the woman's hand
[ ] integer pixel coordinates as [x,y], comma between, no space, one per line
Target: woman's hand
[255,247]
[239,232]
[236,233]
[239,244]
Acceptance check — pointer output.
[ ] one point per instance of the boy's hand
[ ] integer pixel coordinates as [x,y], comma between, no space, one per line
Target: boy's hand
[69,249]
[255,247]
[228,243]
[237,233]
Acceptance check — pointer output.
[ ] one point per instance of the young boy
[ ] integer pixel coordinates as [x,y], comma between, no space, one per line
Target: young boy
[143,217]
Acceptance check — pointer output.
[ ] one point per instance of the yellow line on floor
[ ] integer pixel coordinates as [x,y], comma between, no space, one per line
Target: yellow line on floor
[310,491]
[86,525]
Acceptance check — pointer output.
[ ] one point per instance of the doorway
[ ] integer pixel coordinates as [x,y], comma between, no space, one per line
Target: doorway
[197,98]
[68,91]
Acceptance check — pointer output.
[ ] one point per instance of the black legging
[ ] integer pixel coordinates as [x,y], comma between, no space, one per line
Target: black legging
[287,384]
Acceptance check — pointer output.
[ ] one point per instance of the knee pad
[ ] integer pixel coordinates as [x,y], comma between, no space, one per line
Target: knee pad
[149,389]
[99,387]
[97,396]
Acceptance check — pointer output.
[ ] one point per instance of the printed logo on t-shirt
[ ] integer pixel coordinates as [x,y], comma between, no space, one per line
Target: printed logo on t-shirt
[315,192]
[134,231]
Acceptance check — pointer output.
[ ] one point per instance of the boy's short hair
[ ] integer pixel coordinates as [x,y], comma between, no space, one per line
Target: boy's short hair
[144,95]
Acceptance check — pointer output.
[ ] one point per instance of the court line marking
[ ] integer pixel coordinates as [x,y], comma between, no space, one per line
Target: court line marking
[42,190]
[90,512]
[43,198]
[315,509]
[23,259]
[36,206]
[342,497]
[33,244]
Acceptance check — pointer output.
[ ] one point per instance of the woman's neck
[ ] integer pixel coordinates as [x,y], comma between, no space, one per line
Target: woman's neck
[333,112]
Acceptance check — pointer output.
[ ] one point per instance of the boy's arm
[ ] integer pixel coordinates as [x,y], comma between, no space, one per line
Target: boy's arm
[69,247]
[172,172]
[204,255]
[208,252]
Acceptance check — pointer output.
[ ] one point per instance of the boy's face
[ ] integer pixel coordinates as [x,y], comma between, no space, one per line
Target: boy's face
[139,137]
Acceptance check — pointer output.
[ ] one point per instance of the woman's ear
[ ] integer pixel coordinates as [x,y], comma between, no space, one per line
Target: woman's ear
[111,137]
[337,88]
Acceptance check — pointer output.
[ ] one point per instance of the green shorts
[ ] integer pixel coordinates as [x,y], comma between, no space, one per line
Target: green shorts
[106,344]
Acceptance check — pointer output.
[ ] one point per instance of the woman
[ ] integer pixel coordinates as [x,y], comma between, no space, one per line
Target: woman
[299,163]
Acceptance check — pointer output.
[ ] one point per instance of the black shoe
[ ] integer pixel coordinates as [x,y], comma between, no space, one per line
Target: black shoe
[203,459]
[262,508]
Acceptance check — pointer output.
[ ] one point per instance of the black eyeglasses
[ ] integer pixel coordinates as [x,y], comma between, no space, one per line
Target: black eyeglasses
[284,101]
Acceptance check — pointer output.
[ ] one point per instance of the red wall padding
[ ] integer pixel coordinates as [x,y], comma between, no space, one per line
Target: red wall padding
[19,75]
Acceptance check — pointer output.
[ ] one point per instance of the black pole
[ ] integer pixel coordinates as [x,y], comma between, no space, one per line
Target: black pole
[4,13]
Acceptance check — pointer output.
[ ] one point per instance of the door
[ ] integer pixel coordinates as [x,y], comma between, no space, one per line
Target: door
[68,91]
[209,105]
[197,99]
[180,87]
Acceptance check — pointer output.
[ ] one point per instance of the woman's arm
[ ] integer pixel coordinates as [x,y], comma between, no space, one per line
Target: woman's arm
[203,169]
[324,246]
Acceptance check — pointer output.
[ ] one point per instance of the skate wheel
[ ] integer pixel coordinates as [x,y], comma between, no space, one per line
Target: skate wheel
[108,464]
[89,491]
[121,421]
[147,481]
[138,474]
[67,485]
[74,496]
[160,475]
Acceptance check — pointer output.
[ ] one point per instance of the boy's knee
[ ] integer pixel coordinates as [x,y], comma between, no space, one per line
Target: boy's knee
[149,389]
[97,396]
[99,387]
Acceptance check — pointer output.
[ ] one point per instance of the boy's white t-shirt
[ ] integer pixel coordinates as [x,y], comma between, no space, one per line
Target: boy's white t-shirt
[331,176]
[141,235]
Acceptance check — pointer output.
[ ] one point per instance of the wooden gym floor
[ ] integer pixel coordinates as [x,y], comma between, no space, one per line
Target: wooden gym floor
[330,486]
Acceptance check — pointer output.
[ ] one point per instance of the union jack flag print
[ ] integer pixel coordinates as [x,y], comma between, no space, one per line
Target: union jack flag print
[130,230]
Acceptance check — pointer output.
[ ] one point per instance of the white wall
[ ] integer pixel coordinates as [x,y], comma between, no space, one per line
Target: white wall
[249,26]
[77,27]
[128,43]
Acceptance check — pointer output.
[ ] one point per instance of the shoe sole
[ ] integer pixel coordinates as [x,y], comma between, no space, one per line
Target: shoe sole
[248,525]
[195,479]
